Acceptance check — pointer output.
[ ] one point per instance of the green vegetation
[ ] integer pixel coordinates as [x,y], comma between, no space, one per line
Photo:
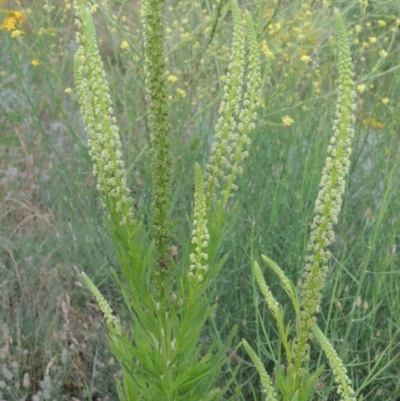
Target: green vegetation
[54,342]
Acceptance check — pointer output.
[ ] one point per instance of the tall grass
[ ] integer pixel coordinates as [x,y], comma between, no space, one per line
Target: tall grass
[52,220]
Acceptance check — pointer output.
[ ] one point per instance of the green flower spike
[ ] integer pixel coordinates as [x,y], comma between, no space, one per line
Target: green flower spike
[339,371]
[225,130]
[272,303]
[113,323]
[200,236]
[265,379]
[154,64]
[237,113]
[97,109]
[329,199]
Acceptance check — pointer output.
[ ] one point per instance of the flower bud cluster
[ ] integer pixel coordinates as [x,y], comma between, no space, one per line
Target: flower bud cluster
[96,105]
[200,236]
[332,186]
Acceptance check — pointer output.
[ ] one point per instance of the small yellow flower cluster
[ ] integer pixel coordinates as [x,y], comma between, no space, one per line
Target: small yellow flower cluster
[12,20]
[383,53]
[17,33]
[181,92]
[124,45]
[287,121]
[266,50]
[172,78]
[372,122]
[361,88]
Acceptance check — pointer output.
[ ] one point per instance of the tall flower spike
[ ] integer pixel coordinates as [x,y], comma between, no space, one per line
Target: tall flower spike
[226,127]
[265,379]
[200,236]
[97,109]
[112,321]
[154,64]
[339,371]
[272,303]
[248,114]
[329,199]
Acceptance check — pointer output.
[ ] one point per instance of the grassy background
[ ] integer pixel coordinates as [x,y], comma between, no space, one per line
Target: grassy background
[52,342]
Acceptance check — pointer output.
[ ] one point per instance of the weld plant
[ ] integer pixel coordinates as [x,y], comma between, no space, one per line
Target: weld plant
[296,381]
[158,349]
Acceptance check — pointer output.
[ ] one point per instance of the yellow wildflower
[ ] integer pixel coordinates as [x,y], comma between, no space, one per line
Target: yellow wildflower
[372,122]
[17,33]
[181,92]
[381,22]
[172,78]
[266,50]
[68,90]
[305,58]
[287,121]
[124,45]
[14,18]
[383,53]
[357,28]
[35,62]
[372,39]
[361,88]
[94,7]
[385,100]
